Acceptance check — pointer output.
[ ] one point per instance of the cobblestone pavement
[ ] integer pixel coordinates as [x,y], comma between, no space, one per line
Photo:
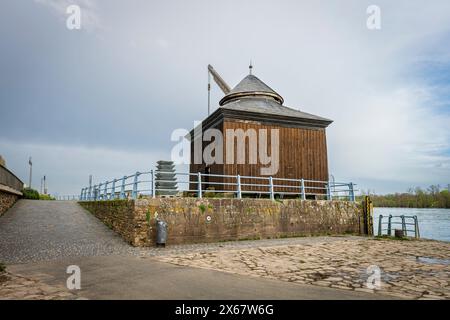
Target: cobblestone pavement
[46,230]
[13,287]
[409,269]
[180,249]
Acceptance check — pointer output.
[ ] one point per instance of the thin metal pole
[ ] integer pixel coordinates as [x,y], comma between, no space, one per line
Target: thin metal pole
[90,188]
[122,190]
[113,190]
[135,185]
[153,183]
[404,226]
[209,92]
[351,191]
[416,229]
[31,171]
[239,187]
[329,196]
[303,189]
[105,191]
[272,196]
[199,185]
[380,219]
[389,225]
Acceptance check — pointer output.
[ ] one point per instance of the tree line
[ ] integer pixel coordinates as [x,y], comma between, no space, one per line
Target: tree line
[432,197]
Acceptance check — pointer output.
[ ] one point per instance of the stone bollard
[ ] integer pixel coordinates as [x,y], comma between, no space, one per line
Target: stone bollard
[399,233]
[161,233]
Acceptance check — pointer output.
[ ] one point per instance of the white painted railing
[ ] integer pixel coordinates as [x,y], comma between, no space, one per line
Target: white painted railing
[199,184]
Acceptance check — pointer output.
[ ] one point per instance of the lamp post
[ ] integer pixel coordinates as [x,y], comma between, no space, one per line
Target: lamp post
[31,171]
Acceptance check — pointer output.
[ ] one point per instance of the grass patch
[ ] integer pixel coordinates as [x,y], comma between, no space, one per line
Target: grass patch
[386,237]
[202,208]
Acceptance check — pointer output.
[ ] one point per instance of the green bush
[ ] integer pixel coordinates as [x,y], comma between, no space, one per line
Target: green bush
[2,267]
[45,197]
[31,194]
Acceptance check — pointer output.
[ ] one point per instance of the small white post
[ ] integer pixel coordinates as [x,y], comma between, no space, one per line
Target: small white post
[330,197]
[351,191]
[105,191]
[199,185]
[303,189]
[99,193]
[272,196]
[122,189]
[135,185]
[112,196]
[239,187]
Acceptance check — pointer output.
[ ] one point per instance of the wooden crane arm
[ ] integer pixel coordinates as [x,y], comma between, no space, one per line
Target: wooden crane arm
[218,79]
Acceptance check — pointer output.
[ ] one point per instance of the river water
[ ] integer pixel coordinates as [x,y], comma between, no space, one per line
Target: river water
[433,223]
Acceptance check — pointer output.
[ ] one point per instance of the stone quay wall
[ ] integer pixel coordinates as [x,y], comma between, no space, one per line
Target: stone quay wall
[192,220]
[10,188]
[7,198]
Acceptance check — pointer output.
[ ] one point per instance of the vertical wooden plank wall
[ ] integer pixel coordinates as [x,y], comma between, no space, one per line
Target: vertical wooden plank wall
[303,153]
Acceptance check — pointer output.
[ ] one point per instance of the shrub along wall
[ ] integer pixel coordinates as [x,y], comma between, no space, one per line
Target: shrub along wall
[192,220]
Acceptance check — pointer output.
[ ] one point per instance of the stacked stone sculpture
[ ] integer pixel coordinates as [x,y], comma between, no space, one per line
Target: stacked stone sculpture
[165,179]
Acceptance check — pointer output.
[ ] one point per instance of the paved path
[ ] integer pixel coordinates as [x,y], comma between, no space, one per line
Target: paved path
[47,230]
[40,239]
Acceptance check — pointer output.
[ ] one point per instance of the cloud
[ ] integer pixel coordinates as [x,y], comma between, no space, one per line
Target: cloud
[67,168]
[90,20]
[396,136]
[162,43]
[386,90]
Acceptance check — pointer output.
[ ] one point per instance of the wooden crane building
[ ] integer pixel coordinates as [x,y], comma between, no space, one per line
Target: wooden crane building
[252,104]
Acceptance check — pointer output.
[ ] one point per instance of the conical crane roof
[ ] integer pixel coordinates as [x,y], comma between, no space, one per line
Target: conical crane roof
[254,100]
[251,86]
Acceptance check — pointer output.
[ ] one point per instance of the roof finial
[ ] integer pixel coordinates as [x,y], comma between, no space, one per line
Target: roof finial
[250,67]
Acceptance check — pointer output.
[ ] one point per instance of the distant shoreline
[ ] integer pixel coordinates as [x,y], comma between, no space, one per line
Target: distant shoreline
[407,207]
[431,198]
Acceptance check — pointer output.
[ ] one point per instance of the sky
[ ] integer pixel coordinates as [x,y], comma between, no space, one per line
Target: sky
[104,100]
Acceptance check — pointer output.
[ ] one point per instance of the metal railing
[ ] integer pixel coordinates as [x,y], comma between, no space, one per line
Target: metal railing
[9,179]
[200,185]
[67,198]
[404,221]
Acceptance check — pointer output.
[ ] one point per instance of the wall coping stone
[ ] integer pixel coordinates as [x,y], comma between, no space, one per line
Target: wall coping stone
[10,190]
